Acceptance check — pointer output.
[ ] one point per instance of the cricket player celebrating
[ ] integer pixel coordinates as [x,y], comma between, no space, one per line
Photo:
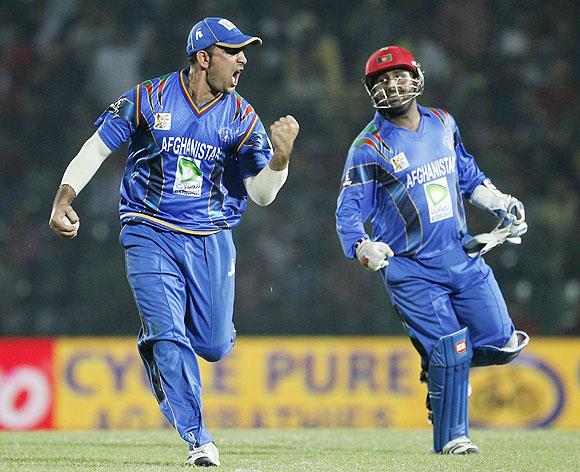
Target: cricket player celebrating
[197,149]
[408,172]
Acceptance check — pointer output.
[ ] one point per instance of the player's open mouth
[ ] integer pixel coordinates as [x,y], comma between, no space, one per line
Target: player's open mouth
[236,77]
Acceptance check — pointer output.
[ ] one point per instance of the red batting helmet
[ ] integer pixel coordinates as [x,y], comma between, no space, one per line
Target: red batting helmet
[389,58]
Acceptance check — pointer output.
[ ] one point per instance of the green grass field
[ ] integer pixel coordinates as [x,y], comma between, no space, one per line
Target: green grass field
[290,450]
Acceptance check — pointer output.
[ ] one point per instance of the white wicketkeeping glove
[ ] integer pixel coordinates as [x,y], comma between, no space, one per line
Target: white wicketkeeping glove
[373,254]
[510,229]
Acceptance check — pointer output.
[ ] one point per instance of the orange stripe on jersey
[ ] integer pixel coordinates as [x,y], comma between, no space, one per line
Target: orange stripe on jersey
[247,112]
[250,129]
[380,141]
[162,83]
[373,144]
[137,105]
[438,115]
[149,88]
[238,107]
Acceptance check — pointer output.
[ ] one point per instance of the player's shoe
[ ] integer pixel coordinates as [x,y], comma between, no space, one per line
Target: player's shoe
[206,455]
[461,445]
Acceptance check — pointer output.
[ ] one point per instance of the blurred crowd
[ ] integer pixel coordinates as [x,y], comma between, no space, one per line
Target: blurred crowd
[506,70]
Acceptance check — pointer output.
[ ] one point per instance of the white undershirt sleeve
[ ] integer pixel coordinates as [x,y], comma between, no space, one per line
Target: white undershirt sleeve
[86,163]
[264,187]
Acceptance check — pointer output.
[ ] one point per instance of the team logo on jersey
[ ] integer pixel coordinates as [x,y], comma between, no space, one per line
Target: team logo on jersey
[399,162]
[188,177]
[438,200]
[448,142]
[226,135]
[162,121]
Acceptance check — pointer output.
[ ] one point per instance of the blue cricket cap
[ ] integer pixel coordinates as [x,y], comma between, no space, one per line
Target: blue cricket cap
[220,31]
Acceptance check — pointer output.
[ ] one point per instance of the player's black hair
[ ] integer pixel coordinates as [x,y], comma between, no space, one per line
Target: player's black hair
[193,59]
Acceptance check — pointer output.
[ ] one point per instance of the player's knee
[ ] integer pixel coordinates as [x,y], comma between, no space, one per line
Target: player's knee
[492,355]
[167,354]
[219,349]
[214,353]
[451,350]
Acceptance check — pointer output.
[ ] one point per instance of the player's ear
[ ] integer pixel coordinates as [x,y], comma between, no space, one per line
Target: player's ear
[203,57]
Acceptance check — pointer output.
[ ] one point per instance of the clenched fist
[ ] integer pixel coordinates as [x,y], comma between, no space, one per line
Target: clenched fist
[64,221]
[283,132]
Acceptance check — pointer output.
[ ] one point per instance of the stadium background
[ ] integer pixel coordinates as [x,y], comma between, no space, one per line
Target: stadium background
[506,70]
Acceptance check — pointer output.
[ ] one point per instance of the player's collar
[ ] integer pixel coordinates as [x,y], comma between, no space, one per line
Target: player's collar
[198,109]
[423,110]
[388,126]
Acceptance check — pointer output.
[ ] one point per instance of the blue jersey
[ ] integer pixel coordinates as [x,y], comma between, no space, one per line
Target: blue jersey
[186,162]
[409,184]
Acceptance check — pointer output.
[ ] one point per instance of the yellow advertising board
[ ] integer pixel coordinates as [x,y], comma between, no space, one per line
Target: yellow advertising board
[303,382]
[101,383]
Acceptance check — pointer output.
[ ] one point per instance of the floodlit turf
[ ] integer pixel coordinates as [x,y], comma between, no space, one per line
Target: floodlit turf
[290,450]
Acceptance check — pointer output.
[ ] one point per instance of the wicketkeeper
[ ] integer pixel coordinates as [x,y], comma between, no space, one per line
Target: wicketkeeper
[408,173]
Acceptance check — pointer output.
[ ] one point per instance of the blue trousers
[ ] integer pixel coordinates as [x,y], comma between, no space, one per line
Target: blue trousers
[184,289]
[438,296]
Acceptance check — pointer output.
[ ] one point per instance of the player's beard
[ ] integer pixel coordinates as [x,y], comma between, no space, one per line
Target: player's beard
[398,111]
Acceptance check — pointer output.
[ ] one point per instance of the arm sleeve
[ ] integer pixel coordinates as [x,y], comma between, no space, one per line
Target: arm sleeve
[356,199]
[254,150]
[264,187]
[86,163]
[470,176]
[120,120]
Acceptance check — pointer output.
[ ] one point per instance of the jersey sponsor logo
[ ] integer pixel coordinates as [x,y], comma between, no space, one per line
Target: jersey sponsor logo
[400,162]
[162,121]
[430,171]
[190,147]
[461,346]
[438,200]
[188,177]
